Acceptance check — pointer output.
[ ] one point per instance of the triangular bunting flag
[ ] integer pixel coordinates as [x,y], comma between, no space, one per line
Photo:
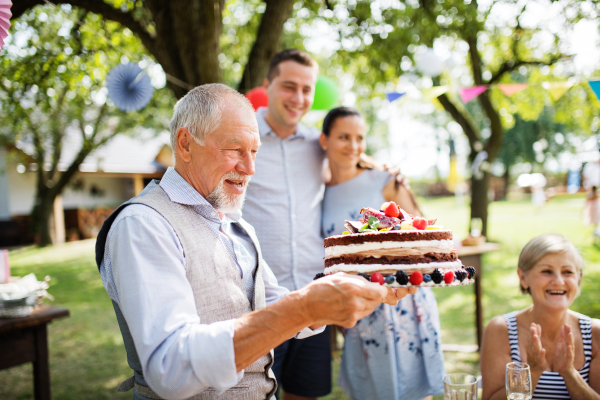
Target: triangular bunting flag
[557,89]
[468,94]
[394,96]
[512,88]
[595,85]
[435,92]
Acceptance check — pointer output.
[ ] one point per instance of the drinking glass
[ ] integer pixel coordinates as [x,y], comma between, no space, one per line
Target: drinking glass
[476,226]
[518,381]
[460,387]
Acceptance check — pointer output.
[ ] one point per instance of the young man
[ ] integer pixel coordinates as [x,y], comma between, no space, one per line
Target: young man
[283,203]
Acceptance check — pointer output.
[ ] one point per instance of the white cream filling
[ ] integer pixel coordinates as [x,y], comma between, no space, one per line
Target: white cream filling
[364,268]
[336,251]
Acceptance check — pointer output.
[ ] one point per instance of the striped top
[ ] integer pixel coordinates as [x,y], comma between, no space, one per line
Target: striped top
[551,385]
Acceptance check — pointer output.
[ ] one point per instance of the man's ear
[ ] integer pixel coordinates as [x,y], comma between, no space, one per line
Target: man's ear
[266,83]
[184,143]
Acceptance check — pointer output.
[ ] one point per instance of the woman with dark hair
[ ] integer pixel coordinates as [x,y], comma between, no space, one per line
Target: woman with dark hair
[562,347]
[394,353]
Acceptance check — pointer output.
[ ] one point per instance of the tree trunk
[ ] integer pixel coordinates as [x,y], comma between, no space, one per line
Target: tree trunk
[268,40]
[480,201]
[42,215]
[506,179]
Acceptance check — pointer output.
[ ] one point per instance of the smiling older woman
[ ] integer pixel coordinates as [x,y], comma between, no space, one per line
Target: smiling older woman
[561,346]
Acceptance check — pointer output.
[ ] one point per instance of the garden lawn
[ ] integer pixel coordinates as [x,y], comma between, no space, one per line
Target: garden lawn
[87,358]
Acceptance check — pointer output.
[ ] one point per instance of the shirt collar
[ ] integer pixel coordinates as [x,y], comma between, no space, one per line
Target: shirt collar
[180,191]
[265,129]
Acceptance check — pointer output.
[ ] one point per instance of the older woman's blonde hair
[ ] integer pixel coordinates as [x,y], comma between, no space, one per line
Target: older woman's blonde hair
[543,245]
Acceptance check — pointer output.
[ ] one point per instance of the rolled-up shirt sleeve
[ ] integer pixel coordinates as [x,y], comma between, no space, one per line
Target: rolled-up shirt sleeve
[179,355]
[274,293]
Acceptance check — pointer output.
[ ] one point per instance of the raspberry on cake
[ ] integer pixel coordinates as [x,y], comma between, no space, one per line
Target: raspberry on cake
[405,248]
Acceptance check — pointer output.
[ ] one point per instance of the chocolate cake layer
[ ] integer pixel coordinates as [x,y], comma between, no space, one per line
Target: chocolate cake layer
[404,260]
[390,236]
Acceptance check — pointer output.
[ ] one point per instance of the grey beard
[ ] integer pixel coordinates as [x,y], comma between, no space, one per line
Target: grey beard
[225,202]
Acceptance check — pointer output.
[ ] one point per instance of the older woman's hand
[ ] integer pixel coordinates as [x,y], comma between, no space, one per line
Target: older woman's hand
[565,350]
[536,354]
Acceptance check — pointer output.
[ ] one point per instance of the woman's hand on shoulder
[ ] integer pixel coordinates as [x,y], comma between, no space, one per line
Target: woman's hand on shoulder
[495,354]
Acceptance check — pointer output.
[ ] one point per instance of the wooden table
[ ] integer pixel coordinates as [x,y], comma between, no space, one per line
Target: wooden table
[25,339]
[471,257]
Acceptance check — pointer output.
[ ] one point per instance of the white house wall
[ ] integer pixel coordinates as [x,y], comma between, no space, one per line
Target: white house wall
[116,191]
[22,191]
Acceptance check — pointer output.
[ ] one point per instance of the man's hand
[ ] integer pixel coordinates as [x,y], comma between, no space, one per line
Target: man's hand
[342,299]
[394,295]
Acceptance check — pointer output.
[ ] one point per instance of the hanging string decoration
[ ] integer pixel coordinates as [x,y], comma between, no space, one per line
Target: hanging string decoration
[129,87]
[326,93]
[258,97]
[5,15]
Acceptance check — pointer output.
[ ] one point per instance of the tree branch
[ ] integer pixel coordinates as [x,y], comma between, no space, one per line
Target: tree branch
[97,7]
[467,126]
[511,65]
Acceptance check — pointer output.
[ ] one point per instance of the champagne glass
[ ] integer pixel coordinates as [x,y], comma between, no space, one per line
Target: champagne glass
[518,381]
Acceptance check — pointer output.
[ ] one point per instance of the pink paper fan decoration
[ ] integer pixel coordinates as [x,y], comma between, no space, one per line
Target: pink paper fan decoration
[512,88]
[5,15]
[468,94]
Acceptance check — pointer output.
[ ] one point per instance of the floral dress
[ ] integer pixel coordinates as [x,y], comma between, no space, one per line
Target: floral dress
[394,353]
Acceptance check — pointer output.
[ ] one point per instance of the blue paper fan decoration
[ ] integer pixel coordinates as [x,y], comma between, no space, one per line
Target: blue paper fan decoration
[129,87]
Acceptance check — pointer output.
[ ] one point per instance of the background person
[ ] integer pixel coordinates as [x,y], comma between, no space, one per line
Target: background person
[198,308]
[395,353]
[591,211]
[561,347]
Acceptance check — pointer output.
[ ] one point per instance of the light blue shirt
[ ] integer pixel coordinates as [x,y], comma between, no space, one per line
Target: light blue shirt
[143,271]
[284,200]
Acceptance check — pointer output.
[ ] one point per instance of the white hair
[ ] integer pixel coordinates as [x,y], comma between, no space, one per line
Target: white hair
[200,111]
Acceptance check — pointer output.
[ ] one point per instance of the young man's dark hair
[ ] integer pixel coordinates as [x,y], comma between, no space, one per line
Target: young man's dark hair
[299,56]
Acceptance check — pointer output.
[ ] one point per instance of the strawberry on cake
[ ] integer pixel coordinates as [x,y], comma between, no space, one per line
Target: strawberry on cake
[394,248]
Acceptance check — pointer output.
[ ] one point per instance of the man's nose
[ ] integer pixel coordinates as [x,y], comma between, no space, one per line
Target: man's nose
[298,96]
[246,164]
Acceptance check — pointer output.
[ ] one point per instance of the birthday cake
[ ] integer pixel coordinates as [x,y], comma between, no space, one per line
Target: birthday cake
[392,247]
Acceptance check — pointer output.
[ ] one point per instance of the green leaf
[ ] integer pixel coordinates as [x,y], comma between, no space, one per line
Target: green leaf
[373,222]
[364,227]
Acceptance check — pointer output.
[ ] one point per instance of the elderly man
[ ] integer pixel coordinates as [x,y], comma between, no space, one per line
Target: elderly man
[198,307]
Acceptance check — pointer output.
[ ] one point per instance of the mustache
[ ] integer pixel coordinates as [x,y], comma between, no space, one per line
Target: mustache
[232,175]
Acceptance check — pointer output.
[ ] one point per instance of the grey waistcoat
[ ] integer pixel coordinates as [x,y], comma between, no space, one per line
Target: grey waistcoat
[218,289]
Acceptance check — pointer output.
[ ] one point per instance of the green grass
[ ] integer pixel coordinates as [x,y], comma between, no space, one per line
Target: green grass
[87,358]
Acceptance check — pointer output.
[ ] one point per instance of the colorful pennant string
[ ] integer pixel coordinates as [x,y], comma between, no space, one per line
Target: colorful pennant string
[510,89]
[557,89]
[435,92]
[468,94]
[595,85]
[394,96]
